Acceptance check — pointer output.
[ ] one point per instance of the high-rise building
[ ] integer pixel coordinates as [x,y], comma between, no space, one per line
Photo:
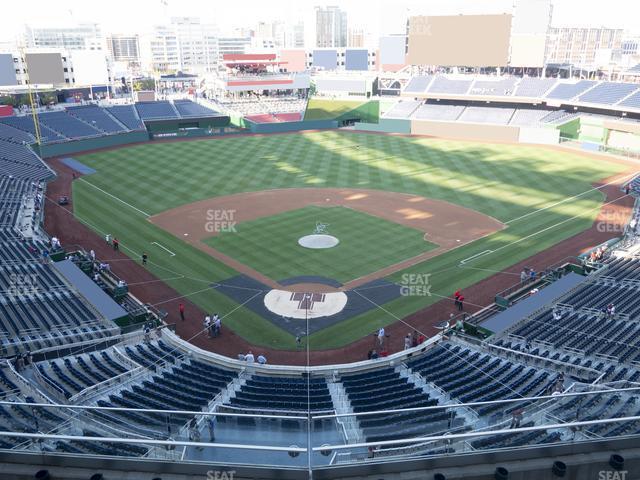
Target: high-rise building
[331,27]
[356,38]
[581,46]
[124,48]
[296,35]
[79,37]
[280,34]
[184,45]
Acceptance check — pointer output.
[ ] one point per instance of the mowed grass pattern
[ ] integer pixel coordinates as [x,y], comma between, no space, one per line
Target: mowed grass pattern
[543,195]
[367,244]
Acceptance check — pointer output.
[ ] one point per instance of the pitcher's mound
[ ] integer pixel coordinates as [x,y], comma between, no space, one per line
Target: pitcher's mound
[318,241]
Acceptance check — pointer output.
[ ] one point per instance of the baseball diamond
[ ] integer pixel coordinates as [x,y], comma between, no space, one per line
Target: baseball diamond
[467,197]
[280,240]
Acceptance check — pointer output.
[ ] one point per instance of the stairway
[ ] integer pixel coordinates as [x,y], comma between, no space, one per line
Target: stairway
[342,404]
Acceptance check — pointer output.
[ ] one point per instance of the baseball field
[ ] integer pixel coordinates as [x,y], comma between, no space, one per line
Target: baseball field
[403,208]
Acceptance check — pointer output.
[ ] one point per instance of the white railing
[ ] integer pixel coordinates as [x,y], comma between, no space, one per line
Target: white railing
[99,389]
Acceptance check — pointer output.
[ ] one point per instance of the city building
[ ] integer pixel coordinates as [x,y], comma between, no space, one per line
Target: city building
[56,67]
[184,45]
[279,34]
[582,46]
[233,45]
[331,27]
[124,48]
[341,59]
[79,37]
[356,37]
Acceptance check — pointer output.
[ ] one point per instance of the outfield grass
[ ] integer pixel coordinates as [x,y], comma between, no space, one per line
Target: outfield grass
[367,244]
[504,181]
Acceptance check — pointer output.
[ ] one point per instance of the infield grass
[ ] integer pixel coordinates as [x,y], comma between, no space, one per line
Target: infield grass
[543,195]
[367,244]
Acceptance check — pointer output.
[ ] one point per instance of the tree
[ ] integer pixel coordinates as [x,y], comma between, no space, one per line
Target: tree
[144,84]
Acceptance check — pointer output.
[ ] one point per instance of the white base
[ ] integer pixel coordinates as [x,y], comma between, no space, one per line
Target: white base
[280,303]
[318,241]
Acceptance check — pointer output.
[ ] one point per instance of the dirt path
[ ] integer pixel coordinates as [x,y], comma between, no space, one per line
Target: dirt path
[445,224]
[148,288]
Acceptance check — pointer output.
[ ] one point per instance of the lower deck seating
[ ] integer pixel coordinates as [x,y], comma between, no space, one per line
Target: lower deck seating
[176,385]
[284,393]
[473,376]
[385,389]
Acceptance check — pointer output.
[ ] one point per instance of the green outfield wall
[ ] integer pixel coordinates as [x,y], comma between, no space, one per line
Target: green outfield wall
[76,146]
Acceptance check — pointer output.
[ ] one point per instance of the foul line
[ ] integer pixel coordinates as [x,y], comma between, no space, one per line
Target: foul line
[491,252]
[164,248]
[114,197]
[473,257]
[617,180]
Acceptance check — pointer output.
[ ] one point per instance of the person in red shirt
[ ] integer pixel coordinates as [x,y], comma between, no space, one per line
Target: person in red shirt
[181,312]
[116,244]
[456,297]
[460,302]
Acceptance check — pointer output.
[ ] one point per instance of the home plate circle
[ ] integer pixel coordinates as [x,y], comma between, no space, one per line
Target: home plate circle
[318,241]
[304,305]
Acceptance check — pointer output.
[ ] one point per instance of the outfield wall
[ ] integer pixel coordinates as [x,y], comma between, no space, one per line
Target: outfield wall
[386,125]
[466,131]
[174,125]
[544,136]
[76,146]
[276,127]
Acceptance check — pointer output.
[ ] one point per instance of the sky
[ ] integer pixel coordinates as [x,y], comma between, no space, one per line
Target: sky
[377,16]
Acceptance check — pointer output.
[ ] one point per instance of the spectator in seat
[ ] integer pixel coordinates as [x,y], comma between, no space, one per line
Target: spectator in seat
[611,310]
